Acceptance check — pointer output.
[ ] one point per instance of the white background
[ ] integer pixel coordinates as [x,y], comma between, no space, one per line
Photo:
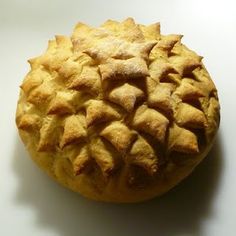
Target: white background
[32,204]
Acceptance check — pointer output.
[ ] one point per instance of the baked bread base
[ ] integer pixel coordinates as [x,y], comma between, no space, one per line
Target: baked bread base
[89,187]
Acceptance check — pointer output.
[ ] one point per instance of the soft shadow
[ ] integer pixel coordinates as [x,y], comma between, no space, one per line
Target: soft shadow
[179,212]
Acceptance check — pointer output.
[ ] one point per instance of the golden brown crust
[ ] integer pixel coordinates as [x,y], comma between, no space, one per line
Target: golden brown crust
[106,111]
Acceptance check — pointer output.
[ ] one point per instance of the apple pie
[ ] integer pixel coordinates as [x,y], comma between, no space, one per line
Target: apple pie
[118,113]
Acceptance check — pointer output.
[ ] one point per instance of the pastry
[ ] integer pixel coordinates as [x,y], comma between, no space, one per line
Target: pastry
[118,113]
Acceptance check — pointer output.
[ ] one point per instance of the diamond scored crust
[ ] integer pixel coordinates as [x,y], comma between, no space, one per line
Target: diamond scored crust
[121,95]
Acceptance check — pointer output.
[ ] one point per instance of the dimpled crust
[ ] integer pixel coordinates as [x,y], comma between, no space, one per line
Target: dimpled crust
[118,113]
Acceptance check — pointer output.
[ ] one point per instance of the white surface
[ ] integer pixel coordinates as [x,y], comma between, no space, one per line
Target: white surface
[32,204]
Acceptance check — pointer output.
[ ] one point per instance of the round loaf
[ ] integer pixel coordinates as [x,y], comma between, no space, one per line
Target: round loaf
[118,113]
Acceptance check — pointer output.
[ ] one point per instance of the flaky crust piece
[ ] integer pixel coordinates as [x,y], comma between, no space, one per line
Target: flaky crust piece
[118,113]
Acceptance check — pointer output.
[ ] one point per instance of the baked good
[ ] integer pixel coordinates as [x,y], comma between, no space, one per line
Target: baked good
[118,113]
